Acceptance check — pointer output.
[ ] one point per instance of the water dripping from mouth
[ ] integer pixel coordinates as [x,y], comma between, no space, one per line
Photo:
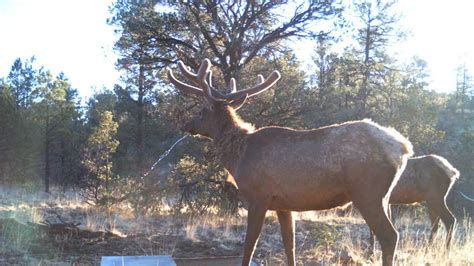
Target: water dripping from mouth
[164,155]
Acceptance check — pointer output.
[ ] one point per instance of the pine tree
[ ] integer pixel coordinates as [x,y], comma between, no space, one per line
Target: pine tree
[464,90]
[97,157]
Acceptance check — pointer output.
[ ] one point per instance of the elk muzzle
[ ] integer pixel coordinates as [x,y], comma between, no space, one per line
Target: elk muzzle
[189,127]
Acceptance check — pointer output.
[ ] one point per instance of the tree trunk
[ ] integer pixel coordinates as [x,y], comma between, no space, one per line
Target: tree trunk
[64,180]
[363,93]
[140,118]
[46,154]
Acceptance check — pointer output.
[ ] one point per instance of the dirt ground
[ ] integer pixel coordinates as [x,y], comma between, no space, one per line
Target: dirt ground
[62,243]
[53,231]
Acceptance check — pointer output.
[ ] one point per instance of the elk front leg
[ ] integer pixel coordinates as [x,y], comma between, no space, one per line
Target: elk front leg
[287,225]
[255,218]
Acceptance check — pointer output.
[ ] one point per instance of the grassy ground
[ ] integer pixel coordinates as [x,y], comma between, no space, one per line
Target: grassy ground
[57,229]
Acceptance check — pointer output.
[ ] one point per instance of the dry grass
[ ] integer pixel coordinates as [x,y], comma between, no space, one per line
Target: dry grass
[321,237]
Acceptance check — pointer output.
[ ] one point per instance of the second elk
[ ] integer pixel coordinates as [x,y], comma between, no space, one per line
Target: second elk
[428,179]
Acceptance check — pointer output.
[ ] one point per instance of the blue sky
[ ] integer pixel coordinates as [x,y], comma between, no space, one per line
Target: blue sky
[64,35]
[73,37]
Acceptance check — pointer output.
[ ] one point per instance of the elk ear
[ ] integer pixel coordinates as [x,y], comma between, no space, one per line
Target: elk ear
[236,104]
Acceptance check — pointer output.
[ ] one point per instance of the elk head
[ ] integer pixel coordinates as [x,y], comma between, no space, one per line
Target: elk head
[215,115]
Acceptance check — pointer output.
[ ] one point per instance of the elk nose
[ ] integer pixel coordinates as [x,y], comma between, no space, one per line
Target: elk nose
[186,128]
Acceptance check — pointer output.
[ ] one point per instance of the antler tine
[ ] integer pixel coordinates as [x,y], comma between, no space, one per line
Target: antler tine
[262,86]
[186,71]
[231,87]
[203,72]
[214,91]
[194,79]
[209,78]
[183,86]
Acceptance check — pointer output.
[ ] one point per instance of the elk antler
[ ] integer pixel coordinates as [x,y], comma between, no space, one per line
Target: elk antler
[261,86]
[197,84]
[203,72]
[231,88]
[202,83]
[183,86]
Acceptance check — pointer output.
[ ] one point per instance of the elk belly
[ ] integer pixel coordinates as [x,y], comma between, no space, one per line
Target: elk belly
[316,188]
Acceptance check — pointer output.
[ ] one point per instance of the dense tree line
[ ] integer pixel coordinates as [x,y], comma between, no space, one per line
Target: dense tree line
[104,148]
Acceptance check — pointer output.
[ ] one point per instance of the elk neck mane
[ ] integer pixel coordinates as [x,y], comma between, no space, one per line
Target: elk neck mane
[231,143]
[238,123]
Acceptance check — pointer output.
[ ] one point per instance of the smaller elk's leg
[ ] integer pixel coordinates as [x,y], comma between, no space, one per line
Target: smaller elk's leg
[449,222]
[446,217]
[255,219]
[287,225]
[434,218]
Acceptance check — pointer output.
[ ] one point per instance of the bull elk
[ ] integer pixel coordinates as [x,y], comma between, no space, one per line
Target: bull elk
[285,170]
[428,179]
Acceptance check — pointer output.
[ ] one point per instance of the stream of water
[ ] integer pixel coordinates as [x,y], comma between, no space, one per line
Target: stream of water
[162,156]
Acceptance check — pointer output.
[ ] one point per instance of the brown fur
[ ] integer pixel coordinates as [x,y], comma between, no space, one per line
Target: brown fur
[428,179]
[283,169]
[232,144]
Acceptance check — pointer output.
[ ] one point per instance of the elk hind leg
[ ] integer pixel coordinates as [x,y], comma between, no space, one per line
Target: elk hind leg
[375,213]
[372,235]
[434,219]
[446,217]
[449,222]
